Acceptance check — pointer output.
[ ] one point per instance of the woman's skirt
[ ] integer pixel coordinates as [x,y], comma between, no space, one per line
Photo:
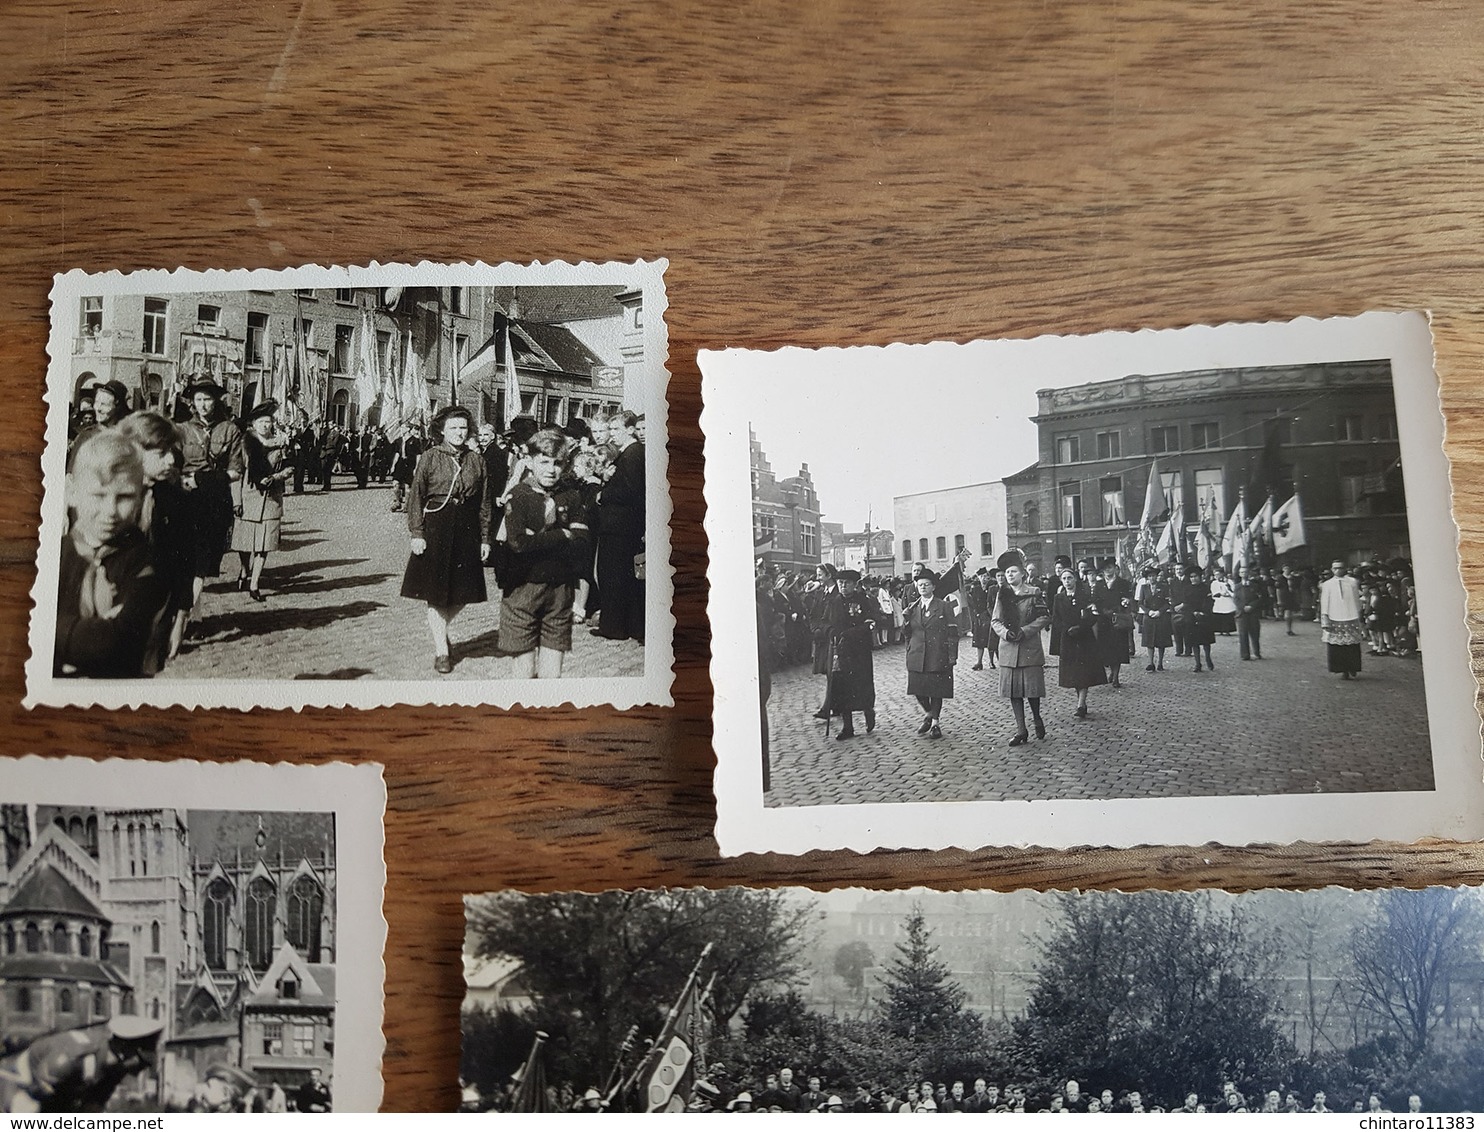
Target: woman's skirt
[256,537]
[984,635]
[1156,633]
[1028,683]
[209,510]
[1223,622]
[449,571]
[1081,662]
[1342,644]
[933,685]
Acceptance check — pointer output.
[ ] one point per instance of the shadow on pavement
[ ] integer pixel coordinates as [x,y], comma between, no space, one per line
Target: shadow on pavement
[337,674]
[259,622]
[327,585]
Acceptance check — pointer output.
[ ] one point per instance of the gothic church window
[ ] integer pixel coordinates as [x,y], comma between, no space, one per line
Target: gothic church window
[214,923]
[306,907]
[260,924]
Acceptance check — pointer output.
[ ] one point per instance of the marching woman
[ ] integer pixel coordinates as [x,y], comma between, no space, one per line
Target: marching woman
[1074,620]
[852,680]
[932,651]
[1020,613]
[260,521]
[1154,616]
[1114,597]
[448,517]
[211,470]
[1200,629]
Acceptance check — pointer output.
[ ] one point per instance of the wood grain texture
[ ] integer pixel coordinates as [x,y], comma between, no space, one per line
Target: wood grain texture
[820,173]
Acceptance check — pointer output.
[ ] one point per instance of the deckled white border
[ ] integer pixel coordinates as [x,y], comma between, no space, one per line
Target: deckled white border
[653,687]
[357,797]
[1455,809]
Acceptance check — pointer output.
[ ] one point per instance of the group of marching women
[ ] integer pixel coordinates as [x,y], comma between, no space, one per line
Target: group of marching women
[1094,620]
[154,506]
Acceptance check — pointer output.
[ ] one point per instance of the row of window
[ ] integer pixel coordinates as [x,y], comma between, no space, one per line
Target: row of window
[289,1039]
[940,544]
[305,906]
[25,1000]
[765,530]
[255,353]
[1204,435]
[34,939]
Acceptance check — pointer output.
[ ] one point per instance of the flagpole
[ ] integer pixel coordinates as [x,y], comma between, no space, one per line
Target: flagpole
[690,982]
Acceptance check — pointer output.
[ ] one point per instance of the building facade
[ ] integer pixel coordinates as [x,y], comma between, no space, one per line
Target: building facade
[1327,431]
[932,527]
[223,933]
[785,516]
[305,346]
[870,552]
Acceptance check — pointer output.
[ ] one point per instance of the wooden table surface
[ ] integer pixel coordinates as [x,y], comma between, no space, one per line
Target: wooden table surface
[817,173]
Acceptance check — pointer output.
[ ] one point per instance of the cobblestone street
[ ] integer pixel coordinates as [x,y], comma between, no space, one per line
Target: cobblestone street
[335,611]
[1282,725]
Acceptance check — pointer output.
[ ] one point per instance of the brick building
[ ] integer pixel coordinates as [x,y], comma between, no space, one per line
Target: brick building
[1327,430]
[785,515]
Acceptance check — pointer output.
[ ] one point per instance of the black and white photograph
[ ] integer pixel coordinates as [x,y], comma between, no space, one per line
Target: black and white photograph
[356,487]
[790,1001]
[1076,590]
[158,955]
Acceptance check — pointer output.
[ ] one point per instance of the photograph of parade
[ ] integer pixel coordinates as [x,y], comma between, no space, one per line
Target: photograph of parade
[433,483]
[167,960]
[789,1000]
[1151,585]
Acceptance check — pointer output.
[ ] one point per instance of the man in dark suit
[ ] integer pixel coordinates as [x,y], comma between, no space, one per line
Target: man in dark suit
[496,460]
[621,509]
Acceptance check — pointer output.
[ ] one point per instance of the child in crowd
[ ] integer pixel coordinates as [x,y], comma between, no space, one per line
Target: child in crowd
[165,517]
[547,541]
[112,603]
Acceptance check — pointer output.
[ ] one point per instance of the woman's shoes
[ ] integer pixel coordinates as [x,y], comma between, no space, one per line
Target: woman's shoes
[1149,668]
[1020,739]
[1040,728]
[934,732]
[443,665]
[845,733]
[1081,712]
[241,582]
[256,595]
[927,725]
[978,668]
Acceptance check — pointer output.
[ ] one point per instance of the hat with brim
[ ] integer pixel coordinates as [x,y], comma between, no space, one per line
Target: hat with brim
[134,1027]
[849,575]
[205,385]
[930,575]
[1012,557]
[446,415]
[113,387]
[261,409]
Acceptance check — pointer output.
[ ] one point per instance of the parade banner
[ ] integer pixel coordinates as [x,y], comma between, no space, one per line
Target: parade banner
[1288,526]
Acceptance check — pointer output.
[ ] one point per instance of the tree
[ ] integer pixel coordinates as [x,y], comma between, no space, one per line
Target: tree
[1166,990]
[597,964]
[925,1005]
[1405,955]
[851,961]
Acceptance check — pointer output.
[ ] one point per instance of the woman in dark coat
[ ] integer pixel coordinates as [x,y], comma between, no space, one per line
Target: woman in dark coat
[981,591]
[1073,632]
[212,465]
[448,517]
[852,679]
[932,650]
[817,598]
[1200,626]
[1153,597]
[260,523]
[1020,613]
[1114,598]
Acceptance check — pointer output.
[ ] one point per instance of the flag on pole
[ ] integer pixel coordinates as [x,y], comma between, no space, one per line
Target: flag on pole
[530,1080]
[1261,528]
[1164,550]
[667,1074]
[366,383]
[1155,504]
[512,383]
[1233,542]
[1288,526]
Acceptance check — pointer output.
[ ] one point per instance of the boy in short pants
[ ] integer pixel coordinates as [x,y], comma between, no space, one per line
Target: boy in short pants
[547,537]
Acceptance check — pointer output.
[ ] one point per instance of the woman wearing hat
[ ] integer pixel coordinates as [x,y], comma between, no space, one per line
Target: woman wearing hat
[448,517]
[1155,630]
[110,401]
[212,464]
[1073,639]
[258,524]
[852,679]
[932,650]
[1020,613]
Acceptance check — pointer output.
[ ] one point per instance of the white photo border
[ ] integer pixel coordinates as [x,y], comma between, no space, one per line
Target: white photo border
[356,795]
[1454,809]
[43,689]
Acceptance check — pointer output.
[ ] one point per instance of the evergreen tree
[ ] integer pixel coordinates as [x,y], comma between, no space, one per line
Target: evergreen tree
[922,1000]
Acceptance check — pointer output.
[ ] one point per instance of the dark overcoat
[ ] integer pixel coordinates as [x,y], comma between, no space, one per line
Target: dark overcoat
[932,648]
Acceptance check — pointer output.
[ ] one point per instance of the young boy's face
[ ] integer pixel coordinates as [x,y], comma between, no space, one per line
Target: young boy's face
[547,469]
[159,464]
[106,506]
